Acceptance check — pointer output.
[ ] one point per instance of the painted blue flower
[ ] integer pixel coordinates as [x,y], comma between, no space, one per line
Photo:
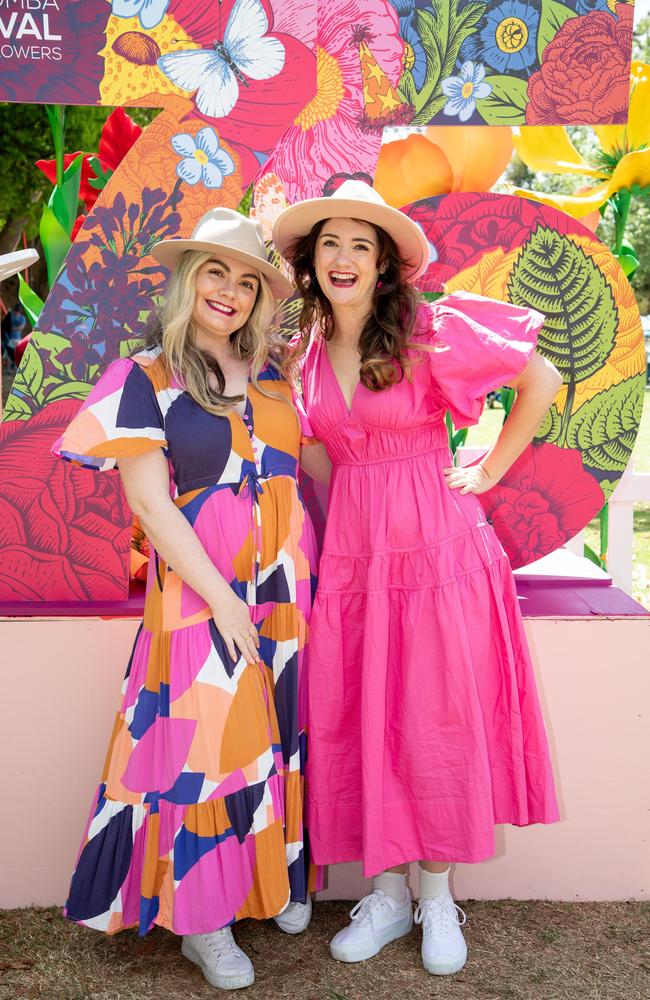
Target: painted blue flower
[203,158]
[416,59]
[507,39]
[150,12]
[464,90]
[586,6]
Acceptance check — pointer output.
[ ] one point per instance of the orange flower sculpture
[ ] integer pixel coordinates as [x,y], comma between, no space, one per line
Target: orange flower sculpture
[440,160]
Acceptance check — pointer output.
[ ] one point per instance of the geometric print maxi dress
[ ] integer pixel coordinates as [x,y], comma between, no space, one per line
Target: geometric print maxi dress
[198,818]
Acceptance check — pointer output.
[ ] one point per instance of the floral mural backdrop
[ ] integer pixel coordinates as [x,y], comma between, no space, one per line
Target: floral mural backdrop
[312,90]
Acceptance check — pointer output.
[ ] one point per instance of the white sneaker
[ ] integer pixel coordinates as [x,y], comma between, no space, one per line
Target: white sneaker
[295,917]
[376,920]
[220,959]
[443,946]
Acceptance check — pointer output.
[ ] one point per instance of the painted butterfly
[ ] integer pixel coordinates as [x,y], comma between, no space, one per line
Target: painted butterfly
[217,73]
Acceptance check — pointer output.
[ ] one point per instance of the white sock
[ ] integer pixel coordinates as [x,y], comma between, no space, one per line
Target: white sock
[391,883]
[433,884]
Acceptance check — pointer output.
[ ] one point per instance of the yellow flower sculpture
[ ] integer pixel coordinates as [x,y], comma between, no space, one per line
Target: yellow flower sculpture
[625,154]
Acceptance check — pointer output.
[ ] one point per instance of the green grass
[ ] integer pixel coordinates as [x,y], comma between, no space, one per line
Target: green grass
[488,428]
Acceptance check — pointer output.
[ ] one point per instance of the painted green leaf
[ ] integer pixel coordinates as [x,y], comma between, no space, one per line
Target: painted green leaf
[506,103]
[29,378]
[442,30]
[554,275]
[56,243]
[69,390]
[549,429]
[604,428]
[16,408]
[608,486]
[54,343]
[552,18]
[31,302]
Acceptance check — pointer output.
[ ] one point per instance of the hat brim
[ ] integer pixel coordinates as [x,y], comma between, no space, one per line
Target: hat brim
[298,220]
[11,263]
[169,252]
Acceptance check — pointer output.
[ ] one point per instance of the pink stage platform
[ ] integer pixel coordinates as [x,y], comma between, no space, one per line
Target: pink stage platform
[61,680]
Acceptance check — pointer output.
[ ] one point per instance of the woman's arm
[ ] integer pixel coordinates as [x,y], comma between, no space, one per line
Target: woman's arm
[315,461]
[146,483]
[536,387]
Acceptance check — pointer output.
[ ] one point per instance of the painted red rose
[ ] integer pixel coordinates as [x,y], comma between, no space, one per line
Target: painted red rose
[545,499]
[584,78]
[64,531]
[461,227]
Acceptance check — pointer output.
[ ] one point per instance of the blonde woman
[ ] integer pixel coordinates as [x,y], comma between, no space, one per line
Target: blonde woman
[197,821]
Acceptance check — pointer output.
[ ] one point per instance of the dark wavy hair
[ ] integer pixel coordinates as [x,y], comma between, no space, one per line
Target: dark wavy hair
[385,335]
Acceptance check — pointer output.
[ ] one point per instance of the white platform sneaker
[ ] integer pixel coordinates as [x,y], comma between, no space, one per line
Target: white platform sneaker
[376,920]
[295,917]
[443,946]
[220,959]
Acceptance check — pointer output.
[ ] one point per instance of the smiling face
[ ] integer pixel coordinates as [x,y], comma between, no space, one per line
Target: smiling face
[225,294]
[346,263]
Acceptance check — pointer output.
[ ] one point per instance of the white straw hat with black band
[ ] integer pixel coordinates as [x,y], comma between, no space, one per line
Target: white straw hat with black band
[222,230]
[355,200]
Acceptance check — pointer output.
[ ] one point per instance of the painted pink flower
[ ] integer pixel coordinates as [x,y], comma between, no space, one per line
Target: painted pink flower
[333,134]
[545,499]
[263,108]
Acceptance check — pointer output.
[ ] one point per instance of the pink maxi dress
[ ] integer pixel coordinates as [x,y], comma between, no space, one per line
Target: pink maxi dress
[425,726]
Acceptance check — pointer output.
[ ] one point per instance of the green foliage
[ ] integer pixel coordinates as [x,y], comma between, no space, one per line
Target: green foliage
[64,200]
[604,428]
[506,104]
[442,29]
[457,438]
[31,302]
[552,18]
[27,138]
[554,275]
[56,243]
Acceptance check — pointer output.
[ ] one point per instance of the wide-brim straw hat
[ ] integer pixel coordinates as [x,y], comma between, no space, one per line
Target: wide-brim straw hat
[224,231]
[355,200]
[11,263]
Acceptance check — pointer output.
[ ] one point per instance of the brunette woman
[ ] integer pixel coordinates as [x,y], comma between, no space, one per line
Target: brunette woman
[425,727]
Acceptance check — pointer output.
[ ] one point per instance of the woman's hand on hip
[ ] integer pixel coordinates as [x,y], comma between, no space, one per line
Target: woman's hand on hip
[470,479]
[233,620]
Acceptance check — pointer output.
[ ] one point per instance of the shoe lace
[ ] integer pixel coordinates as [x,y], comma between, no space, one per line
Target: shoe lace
[220,942]
[370,905]
[438,914]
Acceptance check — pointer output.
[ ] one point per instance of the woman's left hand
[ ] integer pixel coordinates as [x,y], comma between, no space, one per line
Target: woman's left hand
[470,479]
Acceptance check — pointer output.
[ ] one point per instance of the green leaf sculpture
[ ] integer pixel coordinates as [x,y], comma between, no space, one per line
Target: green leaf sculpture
[442,30]
[30,301]
[554,275]
[604,428]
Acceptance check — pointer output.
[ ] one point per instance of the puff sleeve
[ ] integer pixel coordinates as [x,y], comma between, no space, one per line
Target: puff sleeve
[479,345]
[121,416]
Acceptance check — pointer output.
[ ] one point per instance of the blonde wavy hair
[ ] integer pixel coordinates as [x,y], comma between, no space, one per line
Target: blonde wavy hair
[195,369]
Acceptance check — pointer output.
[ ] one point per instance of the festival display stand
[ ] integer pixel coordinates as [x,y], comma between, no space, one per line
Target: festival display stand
[305,107]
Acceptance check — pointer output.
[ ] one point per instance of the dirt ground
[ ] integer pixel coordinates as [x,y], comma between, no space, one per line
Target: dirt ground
[517,951]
